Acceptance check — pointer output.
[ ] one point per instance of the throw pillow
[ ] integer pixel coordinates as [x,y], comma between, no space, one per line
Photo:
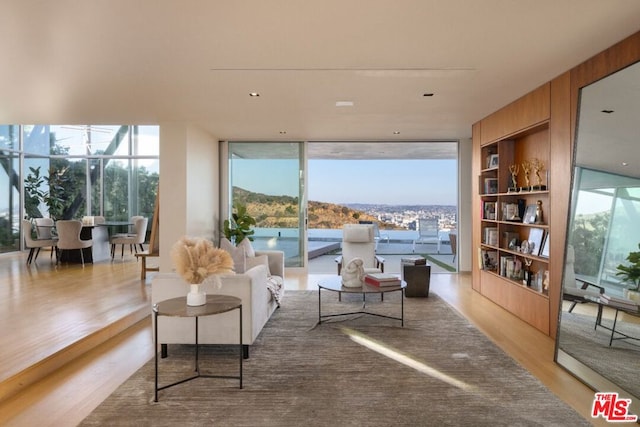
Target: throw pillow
[251,262]
[248,249]
[237,254]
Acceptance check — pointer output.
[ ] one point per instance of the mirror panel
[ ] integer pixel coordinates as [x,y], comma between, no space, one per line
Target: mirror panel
[604,227]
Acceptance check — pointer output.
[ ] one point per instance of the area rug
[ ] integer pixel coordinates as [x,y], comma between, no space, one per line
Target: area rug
[618,362]
[357,370]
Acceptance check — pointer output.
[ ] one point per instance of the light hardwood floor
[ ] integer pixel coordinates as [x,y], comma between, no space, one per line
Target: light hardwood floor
[46,308]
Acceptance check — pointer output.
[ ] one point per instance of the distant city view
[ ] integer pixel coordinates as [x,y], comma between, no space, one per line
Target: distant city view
[406,216]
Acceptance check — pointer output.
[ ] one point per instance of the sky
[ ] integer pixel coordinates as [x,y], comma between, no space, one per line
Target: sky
[393,182]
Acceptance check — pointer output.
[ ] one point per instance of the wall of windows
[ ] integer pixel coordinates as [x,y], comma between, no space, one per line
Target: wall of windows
[603,229]
[69,171]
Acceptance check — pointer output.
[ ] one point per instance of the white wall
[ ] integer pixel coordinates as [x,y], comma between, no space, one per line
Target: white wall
[465,208]
[188,186]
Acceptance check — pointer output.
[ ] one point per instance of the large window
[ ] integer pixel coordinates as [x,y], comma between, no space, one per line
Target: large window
[9,183]
[602,232]
[266,179]
[67,172]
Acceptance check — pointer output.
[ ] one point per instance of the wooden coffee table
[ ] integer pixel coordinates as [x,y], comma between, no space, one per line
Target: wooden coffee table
[334,284]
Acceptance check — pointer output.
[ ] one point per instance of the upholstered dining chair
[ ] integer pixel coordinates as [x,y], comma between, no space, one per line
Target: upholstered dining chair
[44,231]
[133,240]
[358,241]
[34,245]
[69,237]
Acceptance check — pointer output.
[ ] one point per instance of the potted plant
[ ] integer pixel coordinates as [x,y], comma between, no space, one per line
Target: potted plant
[52,197]
[630,274]
[196,259]
[239,226]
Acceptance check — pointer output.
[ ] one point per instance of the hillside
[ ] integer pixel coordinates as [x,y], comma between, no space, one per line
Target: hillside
[282,211]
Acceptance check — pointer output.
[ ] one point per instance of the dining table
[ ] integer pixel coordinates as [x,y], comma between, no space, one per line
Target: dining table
[99,233]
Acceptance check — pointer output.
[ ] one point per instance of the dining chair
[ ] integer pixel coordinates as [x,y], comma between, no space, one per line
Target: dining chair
[34,245]
[133,240]
[44,231]
[69,237]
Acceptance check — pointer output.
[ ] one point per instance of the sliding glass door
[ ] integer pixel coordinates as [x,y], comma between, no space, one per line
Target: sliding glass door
[268,178]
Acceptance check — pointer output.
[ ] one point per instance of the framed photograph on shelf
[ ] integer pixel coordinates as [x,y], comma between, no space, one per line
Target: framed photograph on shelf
[535,240]
[529,215]
[489,210]
[544,252]
[493,161]
[490,185]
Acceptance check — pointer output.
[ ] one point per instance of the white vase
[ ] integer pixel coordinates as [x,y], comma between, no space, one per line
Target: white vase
[195,296]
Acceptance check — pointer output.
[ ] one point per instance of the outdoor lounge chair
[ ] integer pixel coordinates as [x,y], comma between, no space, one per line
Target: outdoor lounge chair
[428,232]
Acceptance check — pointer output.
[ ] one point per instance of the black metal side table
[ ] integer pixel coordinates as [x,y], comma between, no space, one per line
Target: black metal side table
[177,307]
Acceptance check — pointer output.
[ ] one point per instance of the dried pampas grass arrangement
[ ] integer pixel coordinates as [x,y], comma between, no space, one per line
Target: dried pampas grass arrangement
[196,259]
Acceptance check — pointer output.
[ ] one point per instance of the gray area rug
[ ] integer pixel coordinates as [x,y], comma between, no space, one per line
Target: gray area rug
[618,363]
[356,370]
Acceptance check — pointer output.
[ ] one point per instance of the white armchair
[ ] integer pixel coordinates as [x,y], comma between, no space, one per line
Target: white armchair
[358,241]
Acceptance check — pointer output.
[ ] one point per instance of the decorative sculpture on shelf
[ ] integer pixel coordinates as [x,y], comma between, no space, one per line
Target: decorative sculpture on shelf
[538,166]
[353,273]
[526,167]
[514,169]
[539,214]
[526,279]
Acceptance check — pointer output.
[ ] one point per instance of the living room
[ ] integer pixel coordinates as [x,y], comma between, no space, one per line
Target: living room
[192,148]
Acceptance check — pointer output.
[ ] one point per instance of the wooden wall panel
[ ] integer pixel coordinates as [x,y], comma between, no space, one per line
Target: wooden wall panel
[530,306]
[560,189]
[528,111]
[555,103]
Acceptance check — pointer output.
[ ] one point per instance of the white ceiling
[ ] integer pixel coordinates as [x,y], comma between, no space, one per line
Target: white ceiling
[195,61]
[608,136]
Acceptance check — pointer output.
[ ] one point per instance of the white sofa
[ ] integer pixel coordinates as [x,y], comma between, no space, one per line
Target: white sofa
[250,286]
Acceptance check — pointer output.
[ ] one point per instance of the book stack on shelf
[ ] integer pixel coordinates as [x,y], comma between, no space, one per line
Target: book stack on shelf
[491,236]
[381,279]
[511,267]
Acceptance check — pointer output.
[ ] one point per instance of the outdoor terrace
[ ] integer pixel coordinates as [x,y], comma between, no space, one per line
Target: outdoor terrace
[324,247]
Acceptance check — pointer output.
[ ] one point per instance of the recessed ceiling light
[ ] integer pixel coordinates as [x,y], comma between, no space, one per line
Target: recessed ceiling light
[254,94]
[283,132]
[427,94]
[344,103]
[607,111]
[625,164]
[396,132]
